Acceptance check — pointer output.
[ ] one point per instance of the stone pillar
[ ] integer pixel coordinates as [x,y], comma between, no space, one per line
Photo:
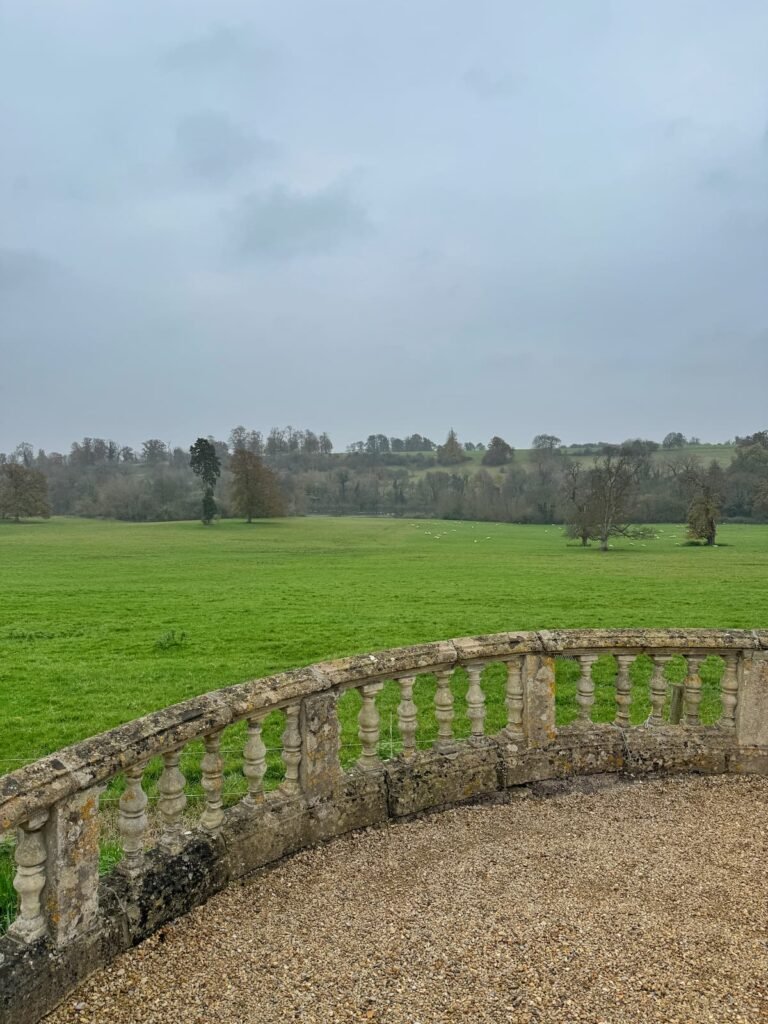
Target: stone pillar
[71,896]
[692,690]
[30,879]
[133,820]
[368,725]
[585,690]
[514,701]
[729,690]
[254,762]
[407,716]
[171,801]
[476,704]
[539,703]
[444,743]
[212,782]
[292,749]
[319,768]
[752,706]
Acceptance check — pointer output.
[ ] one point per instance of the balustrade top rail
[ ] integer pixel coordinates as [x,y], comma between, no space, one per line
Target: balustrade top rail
[37,786]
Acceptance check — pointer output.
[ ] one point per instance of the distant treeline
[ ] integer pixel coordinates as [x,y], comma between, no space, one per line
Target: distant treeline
[382,475]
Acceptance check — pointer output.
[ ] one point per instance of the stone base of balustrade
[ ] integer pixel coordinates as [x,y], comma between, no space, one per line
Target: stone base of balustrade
[676,749]
[280,825]
[749,761]
[430,781]
[170,885]
[34,978]
[578,750]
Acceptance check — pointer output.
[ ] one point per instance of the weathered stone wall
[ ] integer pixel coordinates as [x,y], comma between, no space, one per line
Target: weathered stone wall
[71,923]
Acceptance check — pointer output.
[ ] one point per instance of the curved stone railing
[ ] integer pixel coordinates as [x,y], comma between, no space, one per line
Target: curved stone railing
[71,921]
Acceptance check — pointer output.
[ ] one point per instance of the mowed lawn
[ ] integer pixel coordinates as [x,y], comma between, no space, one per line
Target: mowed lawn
[92,612]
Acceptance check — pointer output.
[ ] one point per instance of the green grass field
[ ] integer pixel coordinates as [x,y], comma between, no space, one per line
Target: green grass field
[102,622]
[88,606]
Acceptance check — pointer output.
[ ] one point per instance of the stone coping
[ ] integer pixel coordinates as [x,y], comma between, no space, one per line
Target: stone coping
[37,786]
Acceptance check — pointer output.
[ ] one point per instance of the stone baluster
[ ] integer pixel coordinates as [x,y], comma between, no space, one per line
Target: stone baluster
[132,820]
[171,801]
[585,691]
[623,690]
[513,699]
[658,692]
[255,762]
[407,720]
[475,704]
[693,690]
[445,743]
[729,690]
[539,686]
[212,782]
[29,880]
[292,749]
[368,722]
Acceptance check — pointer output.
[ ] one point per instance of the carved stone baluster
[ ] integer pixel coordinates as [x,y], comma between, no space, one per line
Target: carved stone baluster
[212,782]
[658,692]
[29,880]
[255,762]
[132,820]
[172,800]
[368,727]
[445,743]
[292,749]
[475,704]
[514,700]
[729,691]
[623,691]
[585,691]
[407,720]
[693,690]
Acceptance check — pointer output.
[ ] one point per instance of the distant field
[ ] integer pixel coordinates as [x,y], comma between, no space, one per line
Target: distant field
[89,607]
[705,453]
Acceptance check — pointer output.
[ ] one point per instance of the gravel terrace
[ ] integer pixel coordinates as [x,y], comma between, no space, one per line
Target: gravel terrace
[642,902]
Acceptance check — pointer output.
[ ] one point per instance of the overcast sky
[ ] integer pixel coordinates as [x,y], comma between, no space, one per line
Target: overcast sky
[385,217]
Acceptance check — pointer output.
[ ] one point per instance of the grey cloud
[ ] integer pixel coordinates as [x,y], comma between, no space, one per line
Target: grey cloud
[282,223]
[489,85]
[680,129]
[225,46]
[213,148]
[720,179]
[24,270]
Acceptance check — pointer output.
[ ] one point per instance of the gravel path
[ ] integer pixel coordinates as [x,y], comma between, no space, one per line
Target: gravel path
[644,902]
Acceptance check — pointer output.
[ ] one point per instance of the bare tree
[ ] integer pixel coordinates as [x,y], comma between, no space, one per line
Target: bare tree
[612,492]
[581,513]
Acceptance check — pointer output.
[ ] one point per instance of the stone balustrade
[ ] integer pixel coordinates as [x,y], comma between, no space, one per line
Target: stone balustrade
[71,921]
